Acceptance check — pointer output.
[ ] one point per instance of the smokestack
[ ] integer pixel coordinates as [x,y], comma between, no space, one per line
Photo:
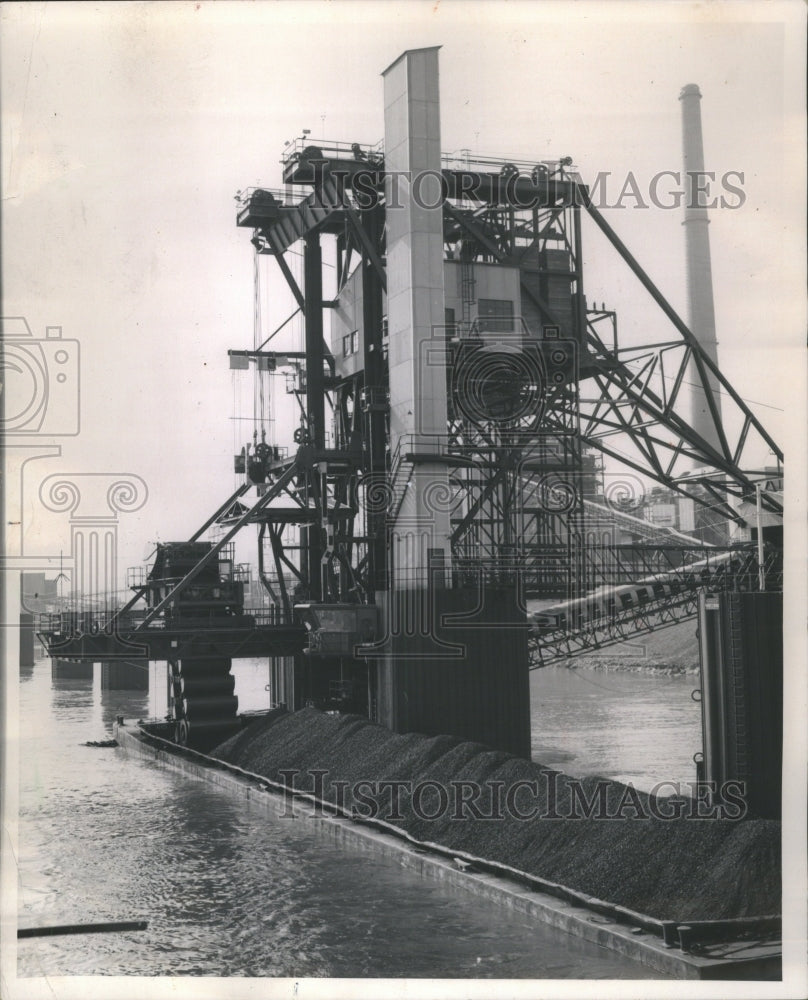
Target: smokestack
[701,311]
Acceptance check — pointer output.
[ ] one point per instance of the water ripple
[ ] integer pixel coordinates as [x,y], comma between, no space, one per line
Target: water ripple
[228,891]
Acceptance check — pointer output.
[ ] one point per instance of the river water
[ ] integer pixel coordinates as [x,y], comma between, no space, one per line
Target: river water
[639,727]
[229,891]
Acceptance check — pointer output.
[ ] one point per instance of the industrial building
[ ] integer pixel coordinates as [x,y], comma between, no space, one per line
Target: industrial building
[441,475]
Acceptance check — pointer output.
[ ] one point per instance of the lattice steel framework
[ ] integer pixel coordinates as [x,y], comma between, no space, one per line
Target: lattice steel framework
[516,496]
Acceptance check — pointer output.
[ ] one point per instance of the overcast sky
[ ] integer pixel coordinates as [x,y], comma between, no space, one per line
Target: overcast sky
[128,129]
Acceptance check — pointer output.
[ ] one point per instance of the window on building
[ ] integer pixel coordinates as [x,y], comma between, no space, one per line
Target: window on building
[350,344]
[449,320]
[495,315]
[385,338]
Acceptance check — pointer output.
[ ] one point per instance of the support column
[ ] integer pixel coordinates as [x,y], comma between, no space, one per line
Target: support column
[375,409]
[452,660]
[415,307]
[315,385]
[71,670]
[311,537]
[26,639]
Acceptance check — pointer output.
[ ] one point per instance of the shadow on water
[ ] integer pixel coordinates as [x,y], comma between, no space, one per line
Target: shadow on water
[129,704]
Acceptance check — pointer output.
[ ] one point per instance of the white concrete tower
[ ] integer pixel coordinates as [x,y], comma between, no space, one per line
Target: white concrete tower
[701,310]
[415,307]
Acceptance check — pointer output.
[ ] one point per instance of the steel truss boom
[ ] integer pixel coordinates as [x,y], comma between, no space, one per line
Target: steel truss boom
[639,405]
[563,645]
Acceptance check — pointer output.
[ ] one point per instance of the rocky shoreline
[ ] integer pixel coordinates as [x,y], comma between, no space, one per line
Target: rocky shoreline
[622,665]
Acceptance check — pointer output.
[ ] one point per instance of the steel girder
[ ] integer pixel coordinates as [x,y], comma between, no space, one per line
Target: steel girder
[627,404]
[639,405]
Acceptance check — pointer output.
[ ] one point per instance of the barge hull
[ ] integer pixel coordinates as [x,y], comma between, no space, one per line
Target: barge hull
[760,962]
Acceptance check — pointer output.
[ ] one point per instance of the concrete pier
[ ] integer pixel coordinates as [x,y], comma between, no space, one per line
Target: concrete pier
[26,639]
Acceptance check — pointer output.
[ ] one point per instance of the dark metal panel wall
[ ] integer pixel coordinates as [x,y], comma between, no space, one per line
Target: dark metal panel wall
[741,650]
[481,695]
[26,639]
[760,617]
[125,675]
[282,681]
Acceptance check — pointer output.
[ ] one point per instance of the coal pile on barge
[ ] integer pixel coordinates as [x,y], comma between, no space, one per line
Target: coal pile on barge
[625,853]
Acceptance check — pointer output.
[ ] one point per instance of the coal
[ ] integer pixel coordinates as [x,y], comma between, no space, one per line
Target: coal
[680,869]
